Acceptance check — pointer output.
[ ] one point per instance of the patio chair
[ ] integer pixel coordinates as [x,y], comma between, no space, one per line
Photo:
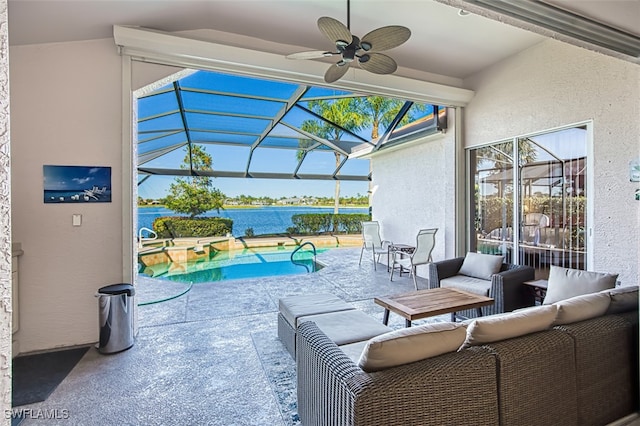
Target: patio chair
[425,242]
[371,240]
[486,275]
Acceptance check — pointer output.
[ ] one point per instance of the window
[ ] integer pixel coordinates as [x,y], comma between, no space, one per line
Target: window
[529,197]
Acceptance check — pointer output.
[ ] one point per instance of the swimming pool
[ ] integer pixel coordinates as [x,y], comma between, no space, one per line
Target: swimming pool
[237,264]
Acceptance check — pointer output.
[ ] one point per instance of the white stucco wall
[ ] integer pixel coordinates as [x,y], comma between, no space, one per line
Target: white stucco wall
[66,110]
[5,223]
[413,189]
[554,84]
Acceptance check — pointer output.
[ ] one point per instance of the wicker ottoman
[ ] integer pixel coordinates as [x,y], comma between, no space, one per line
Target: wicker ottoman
[294,307]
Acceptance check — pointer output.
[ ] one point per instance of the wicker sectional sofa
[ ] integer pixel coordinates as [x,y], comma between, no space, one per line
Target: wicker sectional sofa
[579,371]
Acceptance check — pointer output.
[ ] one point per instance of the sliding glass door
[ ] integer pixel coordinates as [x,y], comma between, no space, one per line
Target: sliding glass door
[528,199]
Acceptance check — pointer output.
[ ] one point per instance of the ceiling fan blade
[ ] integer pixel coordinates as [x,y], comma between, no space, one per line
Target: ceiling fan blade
[313,54]
[335,72]
[334,30]
[385,38]
[377,63]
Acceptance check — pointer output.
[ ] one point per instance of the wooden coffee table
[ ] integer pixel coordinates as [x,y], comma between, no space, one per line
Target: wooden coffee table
[431,302]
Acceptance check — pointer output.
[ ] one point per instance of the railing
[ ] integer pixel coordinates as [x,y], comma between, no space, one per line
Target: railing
[152,237]
[304,264]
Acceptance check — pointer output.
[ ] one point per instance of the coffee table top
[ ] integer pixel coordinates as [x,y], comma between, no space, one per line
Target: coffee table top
[431,302]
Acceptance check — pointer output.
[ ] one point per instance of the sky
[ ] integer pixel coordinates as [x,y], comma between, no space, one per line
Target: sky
[225,116]
[157,186]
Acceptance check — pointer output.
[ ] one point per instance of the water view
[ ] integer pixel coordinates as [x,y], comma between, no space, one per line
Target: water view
[263,220]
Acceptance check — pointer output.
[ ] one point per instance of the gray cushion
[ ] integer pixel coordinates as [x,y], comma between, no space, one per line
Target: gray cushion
[465,283]
[346,327]
[411,344]
[480,265]
[354,350]
[293,307]
[623,299]
[512,324]
[580,308]
[565,283]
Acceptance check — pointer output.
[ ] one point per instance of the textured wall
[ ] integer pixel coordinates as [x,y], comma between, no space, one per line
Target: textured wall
[5,221]
[66,110]
[413,190]
[554,84]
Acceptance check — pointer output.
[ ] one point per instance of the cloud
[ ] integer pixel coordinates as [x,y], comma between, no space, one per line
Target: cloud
[82,180]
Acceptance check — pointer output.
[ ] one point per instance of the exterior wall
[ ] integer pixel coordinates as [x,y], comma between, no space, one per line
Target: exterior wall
[5,222]
[66,110]
[413,189]
[554,84]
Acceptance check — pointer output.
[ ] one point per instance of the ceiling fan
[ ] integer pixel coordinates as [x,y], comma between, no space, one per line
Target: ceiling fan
[351,48]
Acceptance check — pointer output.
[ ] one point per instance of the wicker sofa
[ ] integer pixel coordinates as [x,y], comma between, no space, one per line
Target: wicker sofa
[579,373]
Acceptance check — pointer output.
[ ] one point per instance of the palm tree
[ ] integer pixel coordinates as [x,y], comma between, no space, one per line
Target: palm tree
[379,111]
[352,114]
[342,112]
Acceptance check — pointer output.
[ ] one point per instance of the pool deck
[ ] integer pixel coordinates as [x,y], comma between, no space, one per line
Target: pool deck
[212,355]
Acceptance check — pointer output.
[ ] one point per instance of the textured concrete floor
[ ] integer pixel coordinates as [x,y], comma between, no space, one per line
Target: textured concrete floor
[194,361]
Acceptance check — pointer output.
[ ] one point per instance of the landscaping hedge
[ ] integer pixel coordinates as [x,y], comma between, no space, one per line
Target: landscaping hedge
[177,226]
[313,223]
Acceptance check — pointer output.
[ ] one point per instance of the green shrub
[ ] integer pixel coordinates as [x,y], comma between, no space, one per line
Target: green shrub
[313,223]
[178,227]
[350,223]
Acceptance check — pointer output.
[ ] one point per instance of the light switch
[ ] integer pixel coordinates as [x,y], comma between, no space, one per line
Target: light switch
[77,220]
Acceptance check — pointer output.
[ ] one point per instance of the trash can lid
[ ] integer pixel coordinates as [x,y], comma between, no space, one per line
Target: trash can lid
[118,289]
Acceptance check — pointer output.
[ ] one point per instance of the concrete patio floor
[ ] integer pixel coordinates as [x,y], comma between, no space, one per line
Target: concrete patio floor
[195,360]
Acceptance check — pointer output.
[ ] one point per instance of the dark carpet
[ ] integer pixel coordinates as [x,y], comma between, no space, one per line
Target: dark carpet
[280,370]
[36,376]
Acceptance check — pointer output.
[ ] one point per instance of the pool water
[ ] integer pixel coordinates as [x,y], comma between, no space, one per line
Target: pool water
[237,264]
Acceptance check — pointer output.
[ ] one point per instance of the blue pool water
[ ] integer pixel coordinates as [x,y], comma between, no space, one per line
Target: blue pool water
[237,264]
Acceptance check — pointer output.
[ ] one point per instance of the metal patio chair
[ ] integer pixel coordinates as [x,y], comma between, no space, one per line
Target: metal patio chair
[425,242]
[371,240]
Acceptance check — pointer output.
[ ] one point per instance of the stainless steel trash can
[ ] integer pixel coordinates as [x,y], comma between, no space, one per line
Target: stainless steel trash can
[115,315]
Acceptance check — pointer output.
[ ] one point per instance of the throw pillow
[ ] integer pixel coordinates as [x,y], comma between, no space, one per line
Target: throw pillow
[581,308]
[506,326]
[480,265]
[565,283]
[623,299]
[412,344]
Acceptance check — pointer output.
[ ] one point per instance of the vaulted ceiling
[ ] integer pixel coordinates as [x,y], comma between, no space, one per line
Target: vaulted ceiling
[443,43]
